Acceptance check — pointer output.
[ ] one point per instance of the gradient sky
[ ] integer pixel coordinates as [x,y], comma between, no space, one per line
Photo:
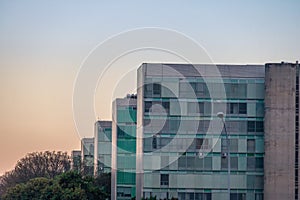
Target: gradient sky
[43,43]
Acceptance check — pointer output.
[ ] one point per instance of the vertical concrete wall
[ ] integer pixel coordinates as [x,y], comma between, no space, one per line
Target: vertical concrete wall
[279,163]
[114,152]
[139,132]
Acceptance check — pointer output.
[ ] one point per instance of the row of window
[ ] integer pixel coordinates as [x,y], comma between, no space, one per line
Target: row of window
[194,196]
[252,180]
[193,108]
[124,192]
[205,195]
[127,132]
[201,90]
[172,125]
[163,107]
[195,163]
[194,145]
[253,163]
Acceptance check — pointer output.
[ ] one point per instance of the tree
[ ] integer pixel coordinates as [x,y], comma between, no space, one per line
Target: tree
[67,186]
[33,189]
[103,181]
[42,164]
[38,164]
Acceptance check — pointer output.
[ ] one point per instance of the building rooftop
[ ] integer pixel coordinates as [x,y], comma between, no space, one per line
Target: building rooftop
[203,70]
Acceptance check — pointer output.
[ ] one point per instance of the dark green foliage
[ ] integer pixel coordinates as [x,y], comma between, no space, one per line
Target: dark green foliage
[38,164]
[67,186]
[103,181]
[47,175]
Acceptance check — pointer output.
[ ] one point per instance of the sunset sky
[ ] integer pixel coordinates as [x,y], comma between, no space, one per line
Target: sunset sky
[44,43]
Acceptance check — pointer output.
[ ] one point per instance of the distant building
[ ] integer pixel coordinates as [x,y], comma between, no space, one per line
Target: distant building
[87,156]
[102,143]
[124,148]
[282,132]
[76,160]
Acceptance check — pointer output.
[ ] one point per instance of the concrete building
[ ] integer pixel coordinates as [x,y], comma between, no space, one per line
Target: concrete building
[87,156]
[124,148]
[102,150]
[281,132]
[76,160]
[180,143]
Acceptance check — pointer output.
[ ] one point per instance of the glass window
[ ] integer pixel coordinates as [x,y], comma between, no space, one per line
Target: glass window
[233,163]
[148,90]
[146,122]
[250,145]
[237,196]
[208,163]
[202,143]
[123,192]
[250,181]
[236,90]
[156,90]
[190,162]
[233,145]
[250,163]
[195,107]
[242,127]
[202,196]
[164,141]
[259,196]
[260,110]
[200,88]
[147,106]
[199,163]
[242,108]
[164,179]
[182,162]
[224,163]
[223,145]
[259,126]
[189,195]
[166,106]
[234,108]
[148,143]
[203,126]
[259,163]
[181,195]
[259,182]
[256,126]
[174,125]
[199,142]
[251,126]
[186,89]
[120,132]
[154,142]
[164,162]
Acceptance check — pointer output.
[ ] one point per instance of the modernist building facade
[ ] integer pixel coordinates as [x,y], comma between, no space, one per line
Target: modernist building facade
[124,148]
[168,142]
[179,140]
[87,156]
[76,160]
[102,147]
